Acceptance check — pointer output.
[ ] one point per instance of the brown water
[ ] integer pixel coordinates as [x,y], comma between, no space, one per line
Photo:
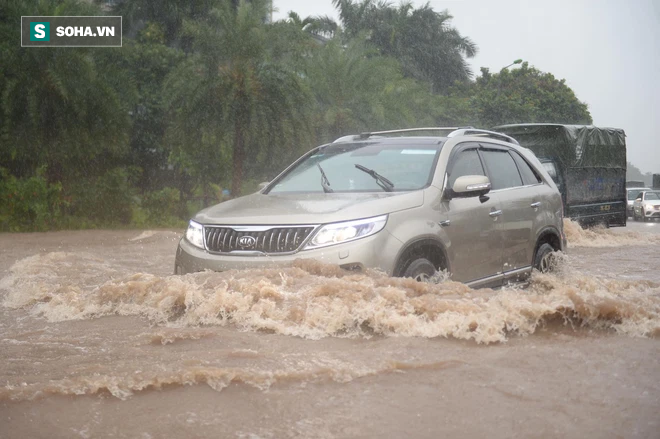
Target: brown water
[98,340]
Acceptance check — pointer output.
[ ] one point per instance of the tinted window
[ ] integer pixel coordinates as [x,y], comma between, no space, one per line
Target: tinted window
[467,163]
[529,175]
[502,169]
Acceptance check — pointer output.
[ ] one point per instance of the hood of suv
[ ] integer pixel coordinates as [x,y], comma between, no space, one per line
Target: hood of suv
[265,209]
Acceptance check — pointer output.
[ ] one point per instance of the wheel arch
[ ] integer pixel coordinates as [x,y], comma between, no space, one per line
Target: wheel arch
[548,235]
[430,248]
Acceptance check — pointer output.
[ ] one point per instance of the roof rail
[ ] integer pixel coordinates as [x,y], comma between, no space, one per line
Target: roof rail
[408,130]
[484,133]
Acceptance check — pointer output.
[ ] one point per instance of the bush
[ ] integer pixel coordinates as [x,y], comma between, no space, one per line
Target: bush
[29,204]
[106,200]
[163,207]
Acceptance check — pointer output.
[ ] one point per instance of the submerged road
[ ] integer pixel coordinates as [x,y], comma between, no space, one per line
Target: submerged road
[98,340]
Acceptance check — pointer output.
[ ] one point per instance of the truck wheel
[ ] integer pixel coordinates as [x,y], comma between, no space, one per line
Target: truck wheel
[420,269]
[543,261]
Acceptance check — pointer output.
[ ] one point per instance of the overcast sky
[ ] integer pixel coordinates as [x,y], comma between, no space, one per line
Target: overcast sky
[607,50]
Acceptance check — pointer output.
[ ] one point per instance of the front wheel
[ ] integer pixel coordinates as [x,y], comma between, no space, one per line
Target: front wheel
[420,269]
[544,259]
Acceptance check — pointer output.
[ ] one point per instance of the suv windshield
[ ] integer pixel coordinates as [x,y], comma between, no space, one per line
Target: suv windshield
[362,167]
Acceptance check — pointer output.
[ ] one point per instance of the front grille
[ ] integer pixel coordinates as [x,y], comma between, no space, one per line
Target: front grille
[275,240]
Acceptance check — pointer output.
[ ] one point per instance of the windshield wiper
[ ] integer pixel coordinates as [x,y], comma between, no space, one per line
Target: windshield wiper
[383,182]
[324,180]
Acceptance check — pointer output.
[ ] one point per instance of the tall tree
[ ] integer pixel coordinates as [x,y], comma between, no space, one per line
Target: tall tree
[322,26]
[357,92]
[60,106]
[168,15]
[232,89]
[423,40]
[517,96]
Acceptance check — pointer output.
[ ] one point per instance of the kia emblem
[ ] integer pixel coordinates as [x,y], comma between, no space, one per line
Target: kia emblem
[246,241]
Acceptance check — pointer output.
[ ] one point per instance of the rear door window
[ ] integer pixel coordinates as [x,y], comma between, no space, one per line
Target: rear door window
[503,172]
[529,175]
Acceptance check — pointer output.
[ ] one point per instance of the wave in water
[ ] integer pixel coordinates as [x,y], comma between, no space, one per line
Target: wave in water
[601,237]
[313,301]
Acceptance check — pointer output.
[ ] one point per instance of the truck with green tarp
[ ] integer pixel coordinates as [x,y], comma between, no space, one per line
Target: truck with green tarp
[587,163]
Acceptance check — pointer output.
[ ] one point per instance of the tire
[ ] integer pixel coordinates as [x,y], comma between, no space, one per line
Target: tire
[543,258]
[420,269]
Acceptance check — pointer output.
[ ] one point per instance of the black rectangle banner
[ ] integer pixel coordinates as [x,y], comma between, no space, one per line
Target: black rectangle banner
[71,31]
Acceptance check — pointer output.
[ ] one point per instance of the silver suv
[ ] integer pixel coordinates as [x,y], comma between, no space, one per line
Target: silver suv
[472,202]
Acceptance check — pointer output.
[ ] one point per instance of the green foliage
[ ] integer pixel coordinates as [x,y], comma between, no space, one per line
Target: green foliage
[356,92]
[149,63]
[166,15]
[517,96]
[231,92]
[106,200]
[423,40]
[59,106]
[208,94]
[29,204]
[161,207]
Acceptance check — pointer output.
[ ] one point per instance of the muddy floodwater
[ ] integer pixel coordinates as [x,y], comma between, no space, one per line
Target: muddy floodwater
[98,339]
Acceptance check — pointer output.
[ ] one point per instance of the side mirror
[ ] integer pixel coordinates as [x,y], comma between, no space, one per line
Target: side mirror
[469,186]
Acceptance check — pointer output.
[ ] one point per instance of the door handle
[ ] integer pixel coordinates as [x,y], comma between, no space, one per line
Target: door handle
[495,213]
[535,205]
[445,223]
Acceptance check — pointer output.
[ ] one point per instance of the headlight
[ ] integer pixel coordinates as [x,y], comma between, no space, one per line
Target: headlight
[195,234]
[346,231]
[649,207]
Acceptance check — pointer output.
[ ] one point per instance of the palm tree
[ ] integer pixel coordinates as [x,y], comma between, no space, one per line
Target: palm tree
[423,40]
[355,91]
[231,89]
[168,14]
[321,26]
[61,107]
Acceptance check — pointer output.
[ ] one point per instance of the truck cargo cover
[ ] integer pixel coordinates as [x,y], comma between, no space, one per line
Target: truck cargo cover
[582,146]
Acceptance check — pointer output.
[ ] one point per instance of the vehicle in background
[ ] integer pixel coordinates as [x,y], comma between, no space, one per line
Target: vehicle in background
[632,193]
[656,182]
[587,163]
[647,206]
[634,183]
[471,202]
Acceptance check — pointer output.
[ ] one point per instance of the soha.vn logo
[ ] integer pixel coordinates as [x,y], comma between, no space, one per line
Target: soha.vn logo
[39,31]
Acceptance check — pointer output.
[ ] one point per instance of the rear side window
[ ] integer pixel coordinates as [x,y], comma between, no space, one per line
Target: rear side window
[502,169]
[528,173]
[467,163]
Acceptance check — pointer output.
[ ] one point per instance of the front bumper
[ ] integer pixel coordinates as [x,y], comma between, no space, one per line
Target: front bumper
[376,251]
[655,213]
